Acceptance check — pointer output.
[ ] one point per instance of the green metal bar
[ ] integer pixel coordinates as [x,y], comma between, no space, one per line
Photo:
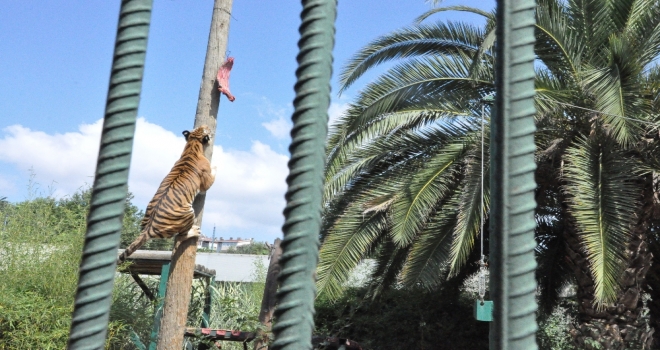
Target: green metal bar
[135,339]
[513,285]
[97,268]
[162,289]
[295,311]
[143,286]
[208,301]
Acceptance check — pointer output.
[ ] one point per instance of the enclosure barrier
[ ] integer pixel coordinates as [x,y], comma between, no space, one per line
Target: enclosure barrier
[512,243]
[104,222]
[512,147]
[295,310]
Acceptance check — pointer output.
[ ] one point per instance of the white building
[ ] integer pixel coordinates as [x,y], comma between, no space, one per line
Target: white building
[221,244]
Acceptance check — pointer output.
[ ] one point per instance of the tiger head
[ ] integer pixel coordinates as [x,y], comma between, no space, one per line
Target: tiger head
[201,133]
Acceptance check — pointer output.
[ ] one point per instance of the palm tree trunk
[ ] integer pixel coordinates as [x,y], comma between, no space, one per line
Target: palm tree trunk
[617,326]
[653,288]
[653,277]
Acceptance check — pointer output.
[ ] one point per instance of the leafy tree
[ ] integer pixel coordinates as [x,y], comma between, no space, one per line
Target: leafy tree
[256,248]
[42,242]
[402,319]
[403,173]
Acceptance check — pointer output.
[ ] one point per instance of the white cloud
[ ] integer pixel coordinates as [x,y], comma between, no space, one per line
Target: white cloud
[67,159]
[279,128]
[247,196]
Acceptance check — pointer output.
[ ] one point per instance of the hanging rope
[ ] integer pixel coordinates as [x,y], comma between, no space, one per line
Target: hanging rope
[482,262]
[97,268]
[295,310]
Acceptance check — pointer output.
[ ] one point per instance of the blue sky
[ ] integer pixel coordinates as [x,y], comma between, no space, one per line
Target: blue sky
[54,71]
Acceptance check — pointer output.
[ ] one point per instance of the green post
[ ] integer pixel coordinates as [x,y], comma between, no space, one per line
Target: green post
[208,301]
[513,284]
[295,310]
[91,309]
[162,289]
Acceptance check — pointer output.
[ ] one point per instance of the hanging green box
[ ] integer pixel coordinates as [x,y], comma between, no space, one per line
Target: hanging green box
[483,310]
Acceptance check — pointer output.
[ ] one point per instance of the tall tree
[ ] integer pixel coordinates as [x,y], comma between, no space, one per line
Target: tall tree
[179,283]
[403,169]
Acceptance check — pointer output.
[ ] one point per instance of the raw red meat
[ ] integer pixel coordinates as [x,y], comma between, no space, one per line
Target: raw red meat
[223,78]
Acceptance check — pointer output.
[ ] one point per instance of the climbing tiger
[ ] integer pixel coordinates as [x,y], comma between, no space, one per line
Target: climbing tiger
[170,212]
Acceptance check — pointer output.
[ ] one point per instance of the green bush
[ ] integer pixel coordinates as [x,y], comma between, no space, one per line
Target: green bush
[131,312]
[42,239]
[39,258]
[235,307]
[256,248]
[403,319]
[29,320]
[553,330]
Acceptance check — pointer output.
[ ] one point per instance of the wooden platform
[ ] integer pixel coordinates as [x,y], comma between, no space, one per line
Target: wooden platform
[150,262]
[220,334]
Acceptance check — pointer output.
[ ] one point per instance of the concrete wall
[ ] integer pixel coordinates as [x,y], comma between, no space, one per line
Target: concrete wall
[233,267]
[243,267]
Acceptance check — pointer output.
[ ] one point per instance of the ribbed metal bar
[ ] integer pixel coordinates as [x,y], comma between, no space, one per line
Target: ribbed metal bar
[97,268]
[295,310]
[513,284]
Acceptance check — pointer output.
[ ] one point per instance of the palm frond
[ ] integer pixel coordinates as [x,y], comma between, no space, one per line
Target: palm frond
[403,142]
[459,8]
[651,45]
[421,40]
[429,254]
[557,46]
[613,99]
[418,82]
[484,59]
[351,239]
[426,187]
[389,261]
[391,126]
[602,198]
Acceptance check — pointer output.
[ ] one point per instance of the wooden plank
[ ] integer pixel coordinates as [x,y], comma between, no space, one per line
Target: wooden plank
[148,255]
[150,262]
[219,334]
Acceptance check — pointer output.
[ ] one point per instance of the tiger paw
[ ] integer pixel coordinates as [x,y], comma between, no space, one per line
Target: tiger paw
[195,231]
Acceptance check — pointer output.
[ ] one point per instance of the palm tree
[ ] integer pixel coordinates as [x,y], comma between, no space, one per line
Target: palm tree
[403,175]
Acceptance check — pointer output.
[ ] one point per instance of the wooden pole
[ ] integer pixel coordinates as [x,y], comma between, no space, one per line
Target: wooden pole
[269,299]
[179,283]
